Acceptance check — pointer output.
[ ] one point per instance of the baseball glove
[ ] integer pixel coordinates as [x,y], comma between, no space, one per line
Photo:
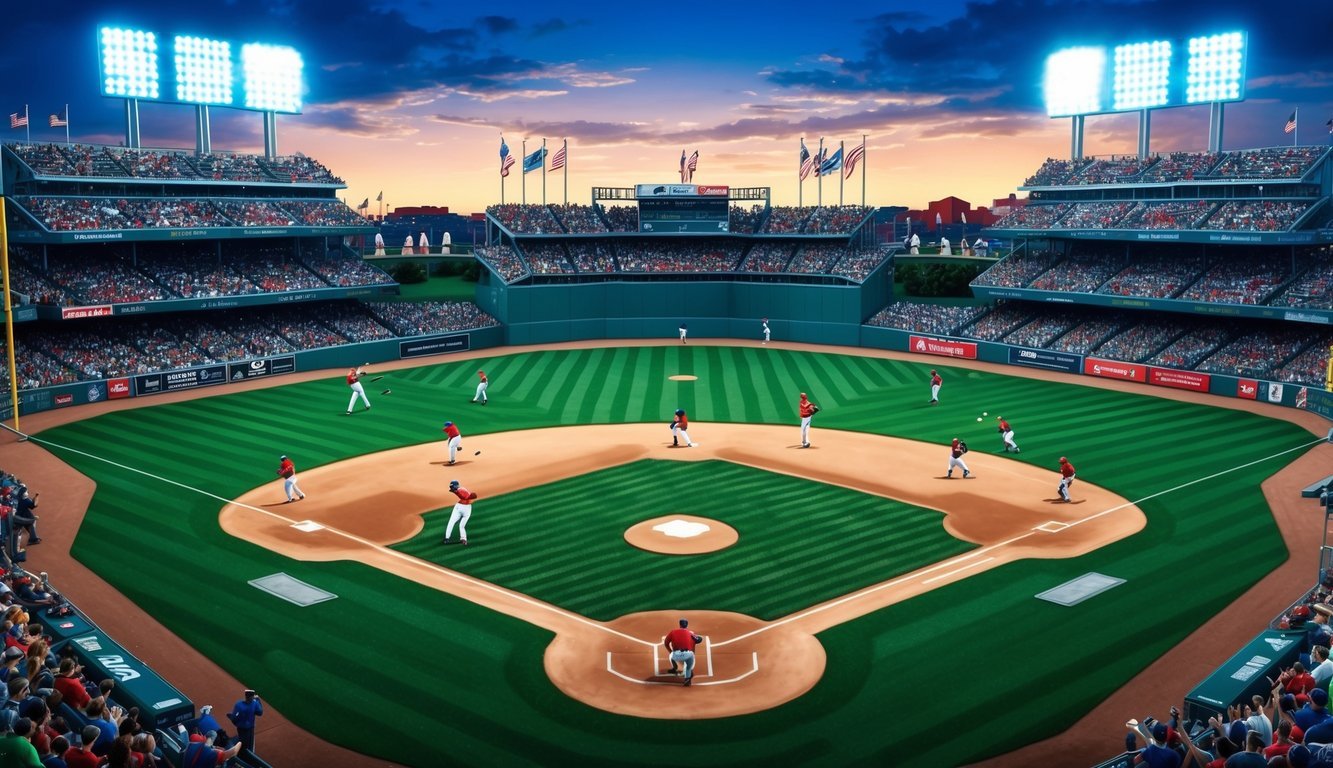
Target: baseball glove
[672,425]
[962,447]
[814,409]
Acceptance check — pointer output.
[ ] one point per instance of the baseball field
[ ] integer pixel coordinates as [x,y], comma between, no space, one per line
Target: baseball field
[869,609]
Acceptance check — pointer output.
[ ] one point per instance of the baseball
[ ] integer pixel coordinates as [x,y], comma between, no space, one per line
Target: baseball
[978,418]
[984,413]
[478,453]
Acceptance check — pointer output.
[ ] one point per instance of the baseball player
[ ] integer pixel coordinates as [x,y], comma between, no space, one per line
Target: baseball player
[1007,435]
[481,388]
[462,511]
[680,643]
[423,244]
[354,381]
[935,382]
[807,410]
[1066,478]
[455,440]
[287,471]
[766,331]
[678,427]
[407,245]
[379,243]
[956,451]
[683,331]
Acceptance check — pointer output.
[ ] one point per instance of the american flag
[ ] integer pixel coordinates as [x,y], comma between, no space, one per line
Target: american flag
[852,158]
[60,120]
[820,157]
[692,166]
[682,166]
[506,159]
[558,159]
[18,122]
[1291,124]
[807,162]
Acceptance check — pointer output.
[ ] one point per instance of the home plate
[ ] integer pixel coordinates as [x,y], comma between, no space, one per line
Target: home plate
[308,526]
[1051,526]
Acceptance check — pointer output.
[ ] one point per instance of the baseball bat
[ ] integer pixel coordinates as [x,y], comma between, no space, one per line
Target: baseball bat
[377,378]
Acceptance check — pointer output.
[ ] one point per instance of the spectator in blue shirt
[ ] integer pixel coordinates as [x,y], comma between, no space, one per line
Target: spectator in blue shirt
[243,715]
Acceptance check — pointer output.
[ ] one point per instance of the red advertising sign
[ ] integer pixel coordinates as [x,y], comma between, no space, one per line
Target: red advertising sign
[1170,377]
[63,400]
[1247,388]
[926,346]
[1114,369]
[713,189]
[117,388]
[76,313]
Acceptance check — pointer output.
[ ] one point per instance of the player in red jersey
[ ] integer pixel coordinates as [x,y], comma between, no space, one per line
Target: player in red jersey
[461,514]
[481,388]
[1007,435]
[455,440]
[680,643]
[935,382]
[956,451]
[354,382]
[1066,478]
[287,471]
[679,427]
[807,410]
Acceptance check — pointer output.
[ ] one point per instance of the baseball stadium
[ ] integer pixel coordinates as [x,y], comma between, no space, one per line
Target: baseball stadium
[701,462]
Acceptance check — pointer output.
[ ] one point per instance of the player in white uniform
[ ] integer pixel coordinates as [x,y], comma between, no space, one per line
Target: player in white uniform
[956,451]
[287,471]
[354,381]
[407,246]
[423,243]
[461,514]
[379,243]
[680,428]
[766,331]
[1007,435]
[455,440]
[481,388]
[683,331]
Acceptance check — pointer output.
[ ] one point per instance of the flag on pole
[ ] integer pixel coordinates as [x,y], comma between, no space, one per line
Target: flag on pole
[535,161]
[682,166]
[853,158]
[807,162]
[380,198]
[832,164]
[18,122]
[364,204]
[61,119]
[819,160]
[1291,123]
[558,159]
[1329,124]
[506,159]
[691,166]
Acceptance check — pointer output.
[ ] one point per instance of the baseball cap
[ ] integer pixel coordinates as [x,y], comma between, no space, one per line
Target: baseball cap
[13,652]
[448,423]
[453,483]
[1063,459]
[1299,756]
[684,622]
[283,456]
[1319,696]
[1160,733]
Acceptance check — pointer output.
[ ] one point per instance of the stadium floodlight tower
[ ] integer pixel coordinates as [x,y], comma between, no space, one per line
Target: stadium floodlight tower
[204,75]
[128,64]
[273,84]
[1142,77]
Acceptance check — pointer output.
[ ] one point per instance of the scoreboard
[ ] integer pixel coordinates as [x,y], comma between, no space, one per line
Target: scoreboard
[700,215]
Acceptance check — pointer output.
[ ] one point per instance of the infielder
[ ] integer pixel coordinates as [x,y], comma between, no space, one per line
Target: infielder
[1066,478]
[287,471]
[766,331]
[807,410]
[956,451]
[1007,435]
[683,331]
[680,643]
[935,382]
[455,440]
[354,381]
[481,388]
[462,511]
[678,427]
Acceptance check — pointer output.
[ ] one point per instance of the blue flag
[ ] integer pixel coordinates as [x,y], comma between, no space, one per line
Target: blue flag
[832,164]
[535,161]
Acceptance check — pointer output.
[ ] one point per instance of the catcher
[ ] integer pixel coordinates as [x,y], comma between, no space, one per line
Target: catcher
[678,427]
[807,410]
[956,451]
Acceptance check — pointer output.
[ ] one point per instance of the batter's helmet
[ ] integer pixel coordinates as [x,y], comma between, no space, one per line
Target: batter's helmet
[680,411]
[453,483]
[448,423]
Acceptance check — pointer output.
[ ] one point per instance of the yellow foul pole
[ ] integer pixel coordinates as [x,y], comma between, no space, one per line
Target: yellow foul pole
[9,315]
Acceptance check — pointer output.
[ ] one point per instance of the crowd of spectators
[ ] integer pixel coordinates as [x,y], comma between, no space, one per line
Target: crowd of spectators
[353,322]
[339,269]
[114,281]
[622,218]
[64,214]
[1271,163]
[767,257]
[815,258]
[1169,214]
[94,161]
[1080,273]
[744,220]
[925,318]
[1256,215]
[197,274]
[43,159]
[1055,172]
[1238,280]
[1309,367]
[90,160]
[995,325]
[1034,217]
[579,219]
[275,270]
[1257,352]
[1095,215]
[26,279]
[300,169]
[1044,328]
[785,219]
[255,213]
[229,167]
[1158,276]
[1142,340]
[322,213]
[1082,338]
[1179,166]
[1017,269]
[1187,350]
[591,256]
[857,263]
[678,256]
[1112,170]
[504,260]
[421,318]
[149,164]
[835,219]
[527,219]
[547,258]
[1313,288]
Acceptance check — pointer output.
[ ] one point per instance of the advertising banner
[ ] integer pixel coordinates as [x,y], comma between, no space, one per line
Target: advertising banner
[1114,369]
[1170,377]
[458,342]
[78,313]
[1045,358]
[1247,389]
[923,345]
[153,383]
[117,388]
[257,368]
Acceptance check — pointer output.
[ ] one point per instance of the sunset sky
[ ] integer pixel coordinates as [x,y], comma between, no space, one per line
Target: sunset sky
[411,98]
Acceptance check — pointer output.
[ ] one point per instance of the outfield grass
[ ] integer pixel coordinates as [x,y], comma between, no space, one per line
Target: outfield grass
[963,672]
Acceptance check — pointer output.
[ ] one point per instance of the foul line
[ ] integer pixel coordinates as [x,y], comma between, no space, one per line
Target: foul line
[416,561]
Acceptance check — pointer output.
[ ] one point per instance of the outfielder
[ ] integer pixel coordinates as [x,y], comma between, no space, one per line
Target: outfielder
[481,388]
[455,440]
[354,381]
[462,511]
[680,643]
[766,331]
[956,452]
[287,471]
[1007,435]
[935,382]
[1066,478]
[807,410]
[678,429]
[683,331]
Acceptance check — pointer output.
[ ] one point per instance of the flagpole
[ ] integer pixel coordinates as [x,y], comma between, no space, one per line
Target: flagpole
[841,146]
[565,149]
[523,171]
[27,123]
[1296,133]
[502,173]
[800,182]
[66,123]
[819,171]
[864,157]
[543,170]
